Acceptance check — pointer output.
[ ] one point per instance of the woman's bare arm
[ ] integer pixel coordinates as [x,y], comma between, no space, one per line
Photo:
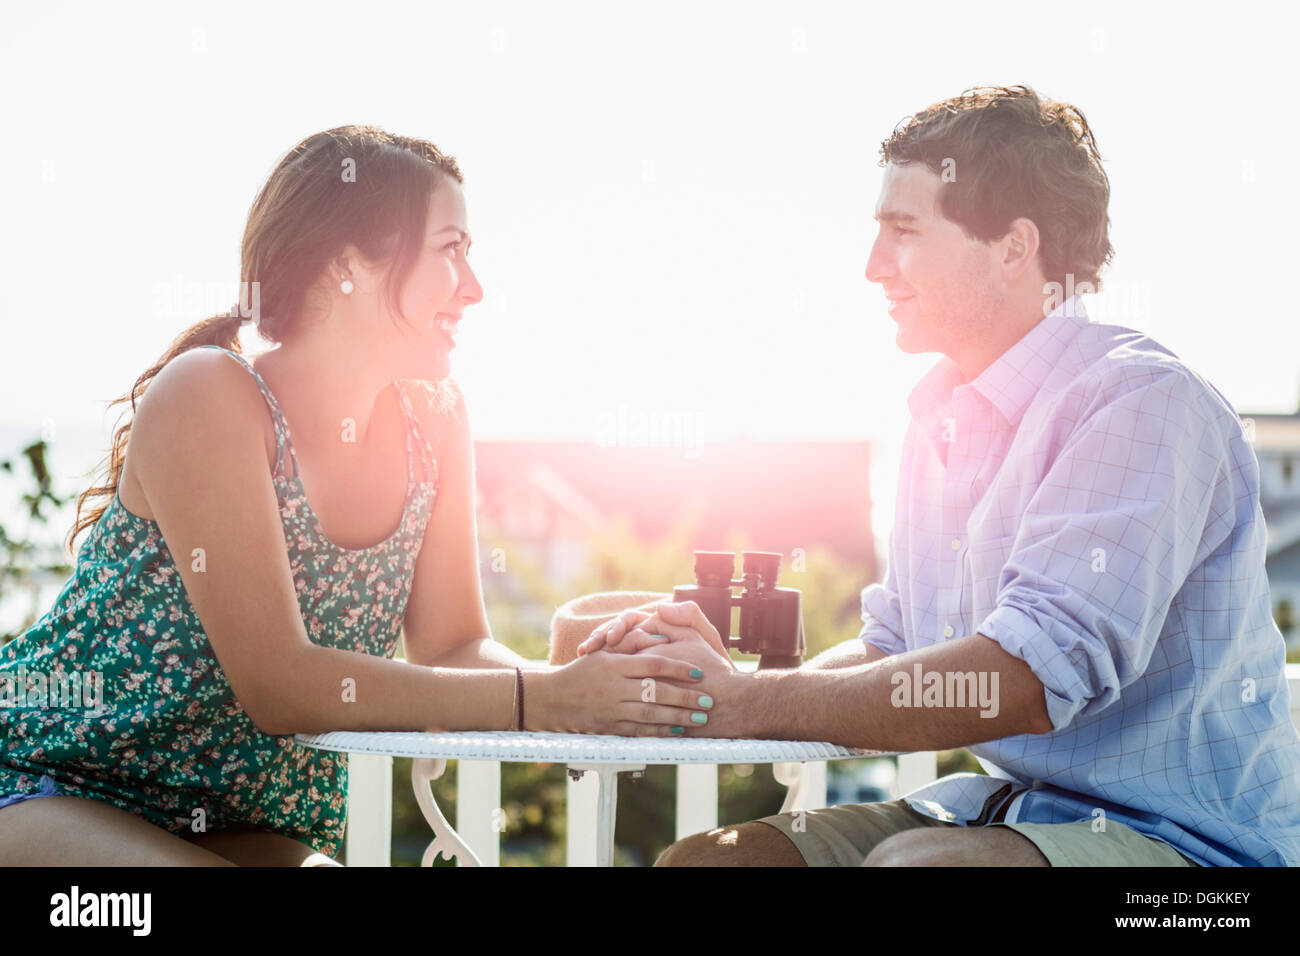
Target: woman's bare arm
[201,462]
[200,458]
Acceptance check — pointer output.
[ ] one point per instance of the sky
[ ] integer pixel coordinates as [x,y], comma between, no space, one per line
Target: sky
[671,203]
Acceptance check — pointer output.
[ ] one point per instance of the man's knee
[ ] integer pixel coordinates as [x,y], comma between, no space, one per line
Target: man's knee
[967,846]
[905,848]
[745,844]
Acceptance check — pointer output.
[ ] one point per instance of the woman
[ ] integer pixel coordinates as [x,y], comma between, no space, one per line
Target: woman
[226,600]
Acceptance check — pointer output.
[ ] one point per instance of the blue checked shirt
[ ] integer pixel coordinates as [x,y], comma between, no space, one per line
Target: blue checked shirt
[1092,505]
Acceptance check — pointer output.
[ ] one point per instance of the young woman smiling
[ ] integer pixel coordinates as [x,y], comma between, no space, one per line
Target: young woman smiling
[274,526]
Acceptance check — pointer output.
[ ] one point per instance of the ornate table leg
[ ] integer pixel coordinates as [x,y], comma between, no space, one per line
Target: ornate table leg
[790,776]
[806,783]
[425,770]
[606,803]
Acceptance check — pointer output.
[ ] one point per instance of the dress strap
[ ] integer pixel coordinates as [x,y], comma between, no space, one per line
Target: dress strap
[413,427]
[282,440]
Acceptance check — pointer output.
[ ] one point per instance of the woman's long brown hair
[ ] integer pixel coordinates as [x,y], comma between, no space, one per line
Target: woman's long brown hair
[352,184]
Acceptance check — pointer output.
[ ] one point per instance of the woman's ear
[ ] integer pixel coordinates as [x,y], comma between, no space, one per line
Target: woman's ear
[351,263]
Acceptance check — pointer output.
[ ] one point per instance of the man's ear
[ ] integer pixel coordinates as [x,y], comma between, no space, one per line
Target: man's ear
[1021,246]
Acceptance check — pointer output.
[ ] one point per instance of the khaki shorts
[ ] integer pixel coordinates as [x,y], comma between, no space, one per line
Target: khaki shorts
[844,835]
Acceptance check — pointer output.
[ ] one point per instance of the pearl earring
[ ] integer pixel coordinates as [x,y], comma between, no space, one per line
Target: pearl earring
[346,286]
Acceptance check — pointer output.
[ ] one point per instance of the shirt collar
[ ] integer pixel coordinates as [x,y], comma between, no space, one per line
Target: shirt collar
[1014,377]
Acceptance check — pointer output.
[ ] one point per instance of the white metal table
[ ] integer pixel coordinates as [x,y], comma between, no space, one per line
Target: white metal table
[605,756]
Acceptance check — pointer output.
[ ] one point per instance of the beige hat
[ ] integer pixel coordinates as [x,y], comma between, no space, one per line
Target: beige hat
[575,620]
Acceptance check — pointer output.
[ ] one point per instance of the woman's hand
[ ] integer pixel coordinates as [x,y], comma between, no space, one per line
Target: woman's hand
[630,695]
[692,638]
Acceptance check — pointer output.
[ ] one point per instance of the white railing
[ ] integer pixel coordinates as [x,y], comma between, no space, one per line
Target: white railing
[478,789]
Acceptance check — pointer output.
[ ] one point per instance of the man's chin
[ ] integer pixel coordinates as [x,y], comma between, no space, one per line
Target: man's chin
[912,343]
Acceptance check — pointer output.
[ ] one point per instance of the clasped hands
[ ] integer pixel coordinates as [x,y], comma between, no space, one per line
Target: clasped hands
[682,635]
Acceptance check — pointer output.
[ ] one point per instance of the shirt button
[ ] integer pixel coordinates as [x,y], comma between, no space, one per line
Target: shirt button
[956,544]
[947,630]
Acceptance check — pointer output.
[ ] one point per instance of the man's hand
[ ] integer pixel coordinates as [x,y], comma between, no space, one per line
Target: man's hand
[609,636]
[634,631]
[690,637]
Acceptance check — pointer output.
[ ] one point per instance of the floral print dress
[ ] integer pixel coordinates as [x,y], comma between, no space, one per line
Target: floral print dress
[164,737]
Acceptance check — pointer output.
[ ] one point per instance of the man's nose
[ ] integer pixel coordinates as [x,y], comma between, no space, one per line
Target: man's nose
[878,265]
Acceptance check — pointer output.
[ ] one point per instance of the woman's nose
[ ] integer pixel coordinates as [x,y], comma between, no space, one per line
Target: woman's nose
[470,290]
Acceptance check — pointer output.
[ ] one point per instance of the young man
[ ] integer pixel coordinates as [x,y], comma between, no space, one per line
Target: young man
[1075,586]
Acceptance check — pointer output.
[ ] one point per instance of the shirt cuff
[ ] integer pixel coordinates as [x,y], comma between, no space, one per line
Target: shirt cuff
[1020,636]
[877,635]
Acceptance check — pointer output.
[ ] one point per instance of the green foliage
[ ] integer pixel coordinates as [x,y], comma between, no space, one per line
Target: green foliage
[960,760]
[24,561]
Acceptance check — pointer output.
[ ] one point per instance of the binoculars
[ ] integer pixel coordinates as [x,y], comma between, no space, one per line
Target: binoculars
[771,622]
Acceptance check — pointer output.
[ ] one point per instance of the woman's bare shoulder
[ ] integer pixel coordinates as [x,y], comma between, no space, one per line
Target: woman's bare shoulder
[200,389]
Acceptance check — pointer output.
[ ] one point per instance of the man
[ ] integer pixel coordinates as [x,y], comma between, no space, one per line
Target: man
[1075,587]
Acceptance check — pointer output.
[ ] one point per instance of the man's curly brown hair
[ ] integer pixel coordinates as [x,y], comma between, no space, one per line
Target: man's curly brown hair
[1012,153]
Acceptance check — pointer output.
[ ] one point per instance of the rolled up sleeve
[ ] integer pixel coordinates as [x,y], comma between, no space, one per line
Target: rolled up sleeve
[1139,494]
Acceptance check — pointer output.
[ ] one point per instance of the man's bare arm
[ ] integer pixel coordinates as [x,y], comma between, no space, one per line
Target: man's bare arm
[856,705]
[850,653]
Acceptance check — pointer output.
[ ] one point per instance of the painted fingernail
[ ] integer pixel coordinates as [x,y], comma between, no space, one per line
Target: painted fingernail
[659,637]
[679,730]
[697,673]
[706,700]
[700,718]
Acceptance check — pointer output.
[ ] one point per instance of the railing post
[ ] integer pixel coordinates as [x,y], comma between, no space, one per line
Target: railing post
[916,770]
[479,817]
[368,837]
[697,798]
[581,804]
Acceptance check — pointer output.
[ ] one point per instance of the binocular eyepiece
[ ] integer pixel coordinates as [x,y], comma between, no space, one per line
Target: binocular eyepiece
[714,568]
[771,621]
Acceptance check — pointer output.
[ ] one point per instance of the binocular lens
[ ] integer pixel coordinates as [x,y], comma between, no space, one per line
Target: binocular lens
[766,564]
[713,569]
